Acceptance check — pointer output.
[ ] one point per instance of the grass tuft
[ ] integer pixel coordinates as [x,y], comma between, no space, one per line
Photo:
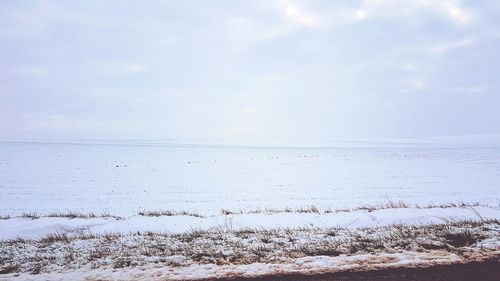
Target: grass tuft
[9,269]
[31,215]
[169,213]
[464,237]
[5,217]
[55,237]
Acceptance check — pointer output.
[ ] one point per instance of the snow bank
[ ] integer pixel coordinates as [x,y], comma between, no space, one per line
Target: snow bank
[35,228]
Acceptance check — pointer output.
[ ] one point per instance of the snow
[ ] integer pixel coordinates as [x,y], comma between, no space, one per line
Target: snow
[125,177]
[32,229]
[307,265]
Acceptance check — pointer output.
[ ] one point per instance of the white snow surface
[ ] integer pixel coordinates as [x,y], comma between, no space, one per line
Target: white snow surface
[37,228]
[124,177]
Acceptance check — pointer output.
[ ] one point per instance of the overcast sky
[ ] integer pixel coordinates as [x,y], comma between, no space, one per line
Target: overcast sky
[250,69]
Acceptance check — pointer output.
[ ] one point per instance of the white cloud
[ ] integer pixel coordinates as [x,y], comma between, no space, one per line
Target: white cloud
[447,9]
[89,123]
[248,30]
[136,68]
[293,12]
[250,109]
[244,29]
[360,14]
[409,66]
[32,71]
[454,12]
[413,85]
[469,89]
[448,46]
[280,68]
[241,130]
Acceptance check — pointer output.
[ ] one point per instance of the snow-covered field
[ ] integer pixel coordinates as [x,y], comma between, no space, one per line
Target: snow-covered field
[175,187]
[123,178]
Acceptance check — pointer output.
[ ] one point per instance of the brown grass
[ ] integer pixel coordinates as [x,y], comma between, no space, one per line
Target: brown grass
[242,246]
[368,208]
[169,213]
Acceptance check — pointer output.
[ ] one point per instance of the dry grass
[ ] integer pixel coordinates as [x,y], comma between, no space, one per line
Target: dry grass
[9,269]
[368,207]
[79,215]
[224,245]
[5,217]
[66,214]
[464,237]
[226,212]
[169,213]
[31,215]
[55,237]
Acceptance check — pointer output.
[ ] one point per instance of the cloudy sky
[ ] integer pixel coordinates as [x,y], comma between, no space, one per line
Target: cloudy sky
[249,69]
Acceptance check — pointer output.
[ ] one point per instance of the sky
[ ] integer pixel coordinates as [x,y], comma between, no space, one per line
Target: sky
[248,69]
